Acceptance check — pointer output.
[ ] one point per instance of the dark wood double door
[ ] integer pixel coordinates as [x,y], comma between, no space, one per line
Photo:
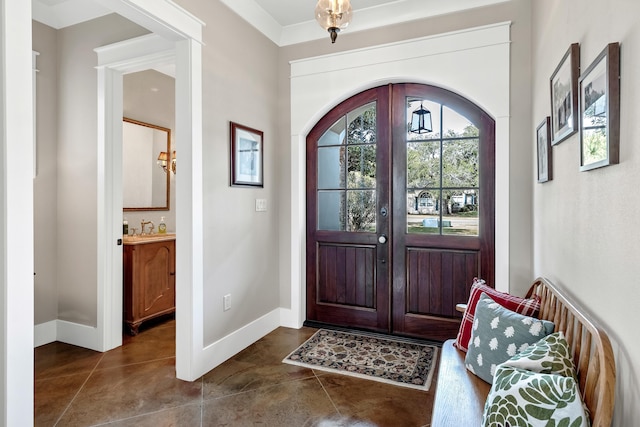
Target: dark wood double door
[400,210]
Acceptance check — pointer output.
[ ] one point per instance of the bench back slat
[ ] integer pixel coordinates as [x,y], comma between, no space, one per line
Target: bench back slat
[590,346]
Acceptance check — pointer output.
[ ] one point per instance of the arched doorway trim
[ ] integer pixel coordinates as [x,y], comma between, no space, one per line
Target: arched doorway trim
[317,84]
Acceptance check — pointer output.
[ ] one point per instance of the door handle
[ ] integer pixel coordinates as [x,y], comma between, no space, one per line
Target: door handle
[382,239]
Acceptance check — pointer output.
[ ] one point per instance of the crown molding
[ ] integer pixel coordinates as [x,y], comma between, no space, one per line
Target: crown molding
[63,14]
[394,12]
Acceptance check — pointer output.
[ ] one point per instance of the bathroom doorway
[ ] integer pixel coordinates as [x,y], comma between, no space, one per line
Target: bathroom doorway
[149,197]
[181,46]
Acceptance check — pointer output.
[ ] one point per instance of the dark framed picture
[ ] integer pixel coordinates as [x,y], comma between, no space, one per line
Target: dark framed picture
[564,96]
[246,156]
[543,144]
[600,110]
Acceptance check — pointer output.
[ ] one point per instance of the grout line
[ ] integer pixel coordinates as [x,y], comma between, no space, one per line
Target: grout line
[79,390]
[132,364]
[326,392]
[133,417]
[201,401]
[250,390]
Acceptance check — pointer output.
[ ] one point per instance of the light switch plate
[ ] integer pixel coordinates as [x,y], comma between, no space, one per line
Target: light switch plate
[261,205]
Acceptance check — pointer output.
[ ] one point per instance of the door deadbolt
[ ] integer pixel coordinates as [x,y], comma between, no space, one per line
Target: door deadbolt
[382,239]
[383,211]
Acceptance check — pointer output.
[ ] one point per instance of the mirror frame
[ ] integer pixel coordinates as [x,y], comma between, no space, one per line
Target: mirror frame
[168,173]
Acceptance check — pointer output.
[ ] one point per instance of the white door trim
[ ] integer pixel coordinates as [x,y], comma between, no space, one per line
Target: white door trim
[16,215]
[113,62]
[184,32]
[320,83]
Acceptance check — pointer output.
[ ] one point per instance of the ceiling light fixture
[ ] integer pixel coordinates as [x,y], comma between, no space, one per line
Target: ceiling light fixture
[333,16]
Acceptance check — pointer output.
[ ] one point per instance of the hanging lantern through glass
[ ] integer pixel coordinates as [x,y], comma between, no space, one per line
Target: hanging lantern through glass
[421,120]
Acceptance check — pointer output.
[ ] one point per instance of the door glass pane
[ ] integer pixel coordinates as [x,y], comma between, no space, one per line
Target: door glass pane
[442,172]
[456,125]
[362,210]
[423,208]
[350,167]
[462,212]
[460,163]
[423,164]
[331,210]
[362,125]
[362,166]
[335,134]
[330,168]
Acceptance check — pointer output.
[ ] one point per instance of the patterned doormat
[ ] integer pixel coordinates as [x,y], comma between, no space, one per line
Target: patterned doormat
[393,361]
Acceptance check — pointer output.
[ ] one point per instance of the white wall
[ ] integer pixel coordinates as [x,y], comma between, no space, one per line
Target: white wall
[45,183]
[241,246]
[77,162]
[585,237]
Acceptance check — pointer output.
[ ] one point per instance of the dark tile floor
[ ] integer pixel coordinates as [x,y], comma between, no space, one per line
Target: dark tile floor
[135,385]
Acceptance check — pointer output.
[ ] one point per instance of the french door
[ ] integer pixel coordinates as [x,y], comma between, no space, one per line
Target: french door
[400,213]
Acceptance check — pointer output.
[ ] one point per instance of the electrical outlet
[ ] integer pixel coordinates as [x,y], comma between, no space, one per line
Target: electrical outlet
[226,302]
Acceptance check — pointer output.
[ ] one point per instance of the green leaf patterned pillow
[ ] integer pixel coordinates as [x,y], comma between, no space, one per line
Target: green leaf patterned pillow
[550,355]
[524,398]
[498,334]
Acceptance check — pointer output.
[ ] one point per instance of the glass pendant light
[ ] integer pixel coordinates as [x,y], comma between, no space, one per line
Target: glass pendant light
[333,16]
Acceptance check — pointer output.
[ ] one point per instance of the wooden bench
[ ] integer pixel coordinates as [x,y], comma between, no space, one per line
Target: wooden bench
[460,395]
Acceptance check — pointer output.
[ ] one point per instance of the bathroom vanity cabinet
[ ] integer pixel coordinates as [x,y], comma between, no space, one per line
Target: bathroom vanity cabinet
[149,278]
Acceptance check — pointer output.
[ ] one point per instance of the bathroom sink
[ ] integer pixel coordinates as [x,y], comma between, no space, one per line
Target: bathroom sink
[138,238]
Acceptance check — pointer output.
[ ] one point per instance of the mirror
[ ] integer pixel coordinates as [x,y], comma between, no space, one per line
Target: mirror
[145,183]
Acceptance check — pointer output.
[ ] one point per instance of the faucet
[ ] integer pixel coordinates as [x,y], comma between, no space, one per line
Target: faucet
[143,223]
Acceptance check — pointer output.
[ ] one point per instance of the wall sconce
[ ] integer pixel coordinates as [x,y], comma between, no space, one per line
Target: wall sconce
[333,16]
[163,161]
[421,120]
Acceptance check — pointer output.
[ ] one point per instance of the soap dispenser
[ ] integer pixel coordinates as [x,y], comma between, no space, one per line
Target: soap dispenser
[162,227]
[125,226]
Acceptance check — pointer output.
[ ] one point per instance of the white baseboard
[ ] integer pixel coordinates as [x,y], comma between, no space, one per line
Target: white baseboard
[45,333]
[289,319]
[216,353]
[67,332]
[77,334]
[211,356]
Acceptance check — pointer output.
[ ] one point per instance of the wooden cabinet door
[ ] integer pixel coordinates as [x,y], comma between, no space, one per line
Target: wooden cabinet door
[149,281]
[157,276]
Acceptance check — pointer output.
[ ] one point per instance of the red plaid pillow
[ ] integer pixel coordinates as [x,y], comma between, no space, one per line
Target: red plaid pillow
[526,306]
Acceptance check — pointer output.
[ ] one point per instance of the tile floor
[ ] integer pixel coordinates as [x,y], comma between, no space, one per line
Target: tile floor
[135,385]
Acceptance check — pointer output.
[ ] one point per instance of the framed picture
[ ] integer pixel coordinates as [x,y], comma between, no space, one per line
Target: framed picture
[600,110]
[564,96]
[246,156]
[543,143]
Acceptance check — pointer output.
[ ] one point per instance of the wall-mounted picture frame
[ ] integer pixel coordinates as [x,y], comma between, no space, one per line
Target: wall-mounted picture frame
[247,155]
[543,147]
[599,89]
[564,96]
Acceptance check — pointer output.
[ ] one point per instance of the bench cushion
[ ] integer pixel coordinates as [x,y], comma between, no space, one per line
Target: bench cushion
[525,398]
[550,355]
[498,334]
[526,306]
[460,395]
